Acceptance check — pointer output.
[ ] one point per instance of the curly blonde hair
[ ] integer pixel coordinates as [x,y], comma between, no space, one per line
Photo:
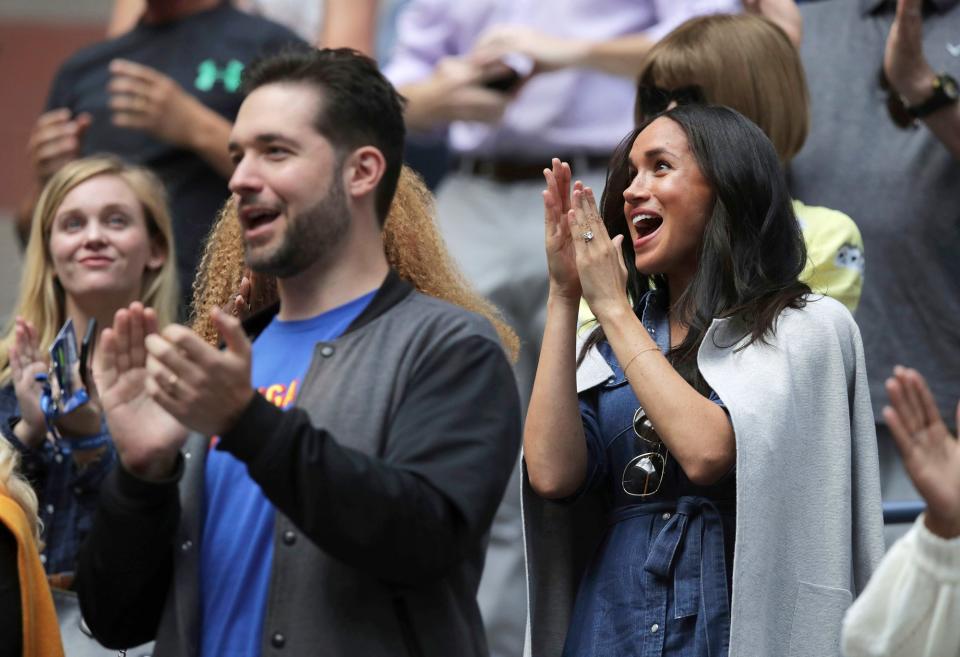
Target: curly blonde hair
[414,248]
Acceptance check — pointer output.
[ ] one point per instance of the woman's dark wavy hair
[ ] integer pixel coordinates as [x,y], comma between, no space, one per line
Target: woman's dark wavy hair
[752,249]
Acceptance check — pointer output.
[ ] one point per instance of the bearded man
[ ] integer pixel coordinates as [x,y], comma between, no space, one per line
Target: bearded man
[361,443]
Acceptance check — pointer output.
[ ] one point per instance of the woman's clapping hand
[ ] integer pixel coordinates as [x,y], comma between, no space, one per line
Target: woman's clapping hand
[930,454]
[25,363]
[561,256]
[599,260]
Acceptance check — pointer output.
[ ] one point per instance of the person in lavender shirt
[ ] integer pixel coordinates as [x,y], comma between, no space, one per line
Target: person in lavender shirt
[510,84]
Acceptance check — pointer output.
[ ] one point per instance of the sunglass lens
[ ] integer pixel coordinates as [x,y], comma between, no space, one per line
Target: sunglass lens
[643,475]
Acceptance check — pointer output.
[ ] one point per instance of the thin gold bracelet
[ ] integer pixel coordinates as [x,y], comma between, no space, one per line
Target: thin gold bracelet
[637,355]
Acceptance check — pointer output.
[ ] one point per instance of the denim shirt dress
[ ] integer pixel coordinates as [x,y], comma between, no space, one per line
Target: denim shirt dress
[66,477]
[659,583]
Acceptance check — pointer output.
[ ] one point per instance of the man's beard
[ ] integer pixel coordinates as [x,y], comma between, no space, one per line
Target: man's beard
[312,237]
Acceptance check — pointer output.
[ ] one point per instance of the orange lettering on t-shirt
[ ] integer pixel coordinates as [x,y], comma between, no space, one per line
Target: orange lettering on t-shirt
[290,396]
[274,394]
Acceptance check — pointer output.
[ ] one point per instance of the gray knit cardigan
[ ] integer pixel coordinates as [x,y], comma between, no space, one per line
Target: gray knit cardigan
[809,526]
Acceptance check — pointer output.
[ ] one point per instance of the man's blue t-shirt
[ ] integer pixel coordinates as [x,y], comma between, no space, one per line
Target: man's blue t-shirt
[237,547]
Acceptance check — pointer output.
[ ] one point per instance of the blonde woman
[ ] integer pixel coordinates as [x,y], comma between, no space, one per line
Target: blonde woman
[28,622]
[101,238]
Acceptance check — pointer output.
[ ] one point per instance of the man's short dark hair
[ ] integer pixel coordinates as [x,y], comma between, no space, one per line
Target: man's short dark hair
[358,107]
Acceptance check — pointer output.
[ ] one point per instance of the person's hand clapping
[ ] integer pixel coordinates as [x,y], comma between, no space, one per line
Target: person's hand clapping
[599,259]
[205,388]
[146,436]
[930,454]
[561,256]
[25,363]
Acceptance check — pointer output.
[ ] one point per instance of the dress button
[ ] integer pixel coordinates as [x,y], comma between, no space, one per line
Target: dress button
[654,628]
[289,537]
[666,516]
[278,640]
[186,545]
[49,508]
[326,351]
[77,490]
[58,458]
[186,455]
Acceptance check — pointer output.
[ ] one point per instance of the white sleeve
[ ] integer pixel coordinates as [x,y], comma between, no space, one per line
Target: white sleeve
[911,606]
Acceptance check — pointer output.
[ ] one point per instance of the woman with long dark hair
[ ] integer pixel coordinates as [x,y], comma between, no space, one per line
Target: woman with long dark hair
[747,63]
[706,422]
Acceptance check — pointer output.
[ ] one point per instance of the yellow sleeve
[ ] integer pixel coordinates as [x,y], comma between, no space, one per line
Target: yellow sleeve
[835,257]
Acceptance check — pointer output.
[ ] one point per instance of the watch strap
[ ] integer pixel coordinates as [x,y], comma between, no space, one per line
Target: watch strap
[945,92]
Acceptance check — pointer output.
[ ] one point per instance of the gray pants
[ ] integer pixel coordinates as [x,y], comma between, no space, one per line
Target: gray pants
[495,233]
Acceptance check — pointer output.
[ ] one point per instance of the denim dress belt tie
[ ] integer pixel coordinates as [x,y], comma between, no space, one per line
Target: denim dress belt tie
[679,548]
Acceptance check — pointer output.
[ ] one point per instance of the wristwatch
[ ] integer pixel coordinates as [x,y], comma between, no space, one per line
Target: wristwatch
[945,92]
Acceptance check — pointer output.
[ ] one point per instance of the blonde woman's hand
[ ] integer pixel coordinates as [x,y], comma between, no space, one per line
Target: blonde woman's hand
[931,456]
[603,274]
[87,419]
[561,256]
[26,362]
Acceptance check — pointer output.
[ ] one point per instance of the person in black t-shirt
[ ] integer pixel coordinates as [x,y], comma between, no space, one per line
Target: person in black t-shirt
[162,95]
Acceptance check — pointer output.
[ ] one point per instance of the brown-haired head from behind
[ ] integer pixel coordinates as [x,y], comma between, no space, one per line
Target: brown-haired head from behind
[414,249]
[743,61]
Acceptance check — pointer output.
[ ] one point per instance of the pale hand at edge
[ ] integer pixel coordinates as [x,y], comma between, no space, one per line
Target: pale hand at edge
[931,456]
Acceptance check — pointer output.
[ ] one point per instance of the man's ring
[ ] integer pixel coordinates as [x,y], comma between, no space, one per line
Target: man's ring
[587,236]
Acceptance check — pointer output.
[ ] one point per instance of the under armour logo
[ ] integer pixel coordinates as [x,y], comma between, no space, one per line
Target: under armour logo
[953,49]
[208,73]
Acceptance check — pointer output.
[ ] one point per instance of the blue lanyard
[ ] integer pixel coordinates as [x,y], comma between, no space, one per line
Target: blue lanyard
[52,410]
